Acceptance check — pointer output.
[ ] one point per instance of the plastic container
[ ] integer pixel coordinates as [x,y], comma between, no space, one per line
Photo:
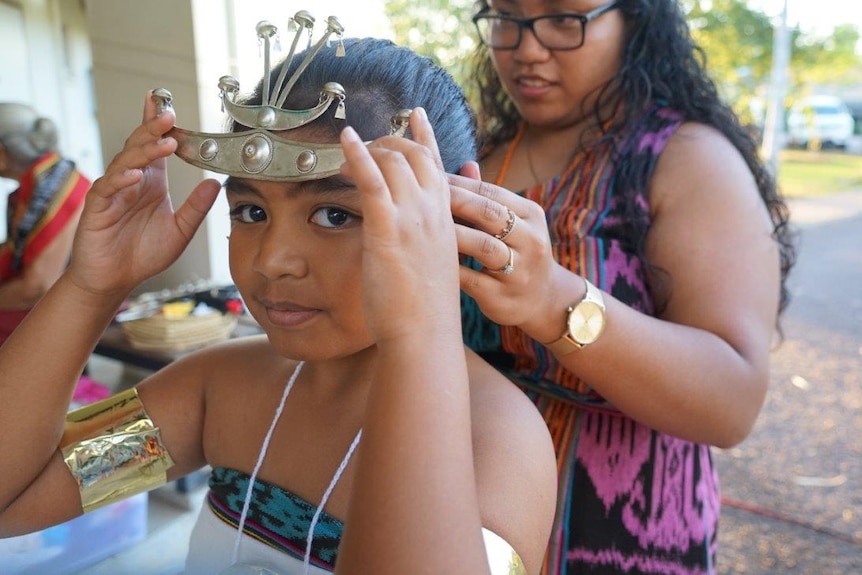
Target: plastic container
[79,543]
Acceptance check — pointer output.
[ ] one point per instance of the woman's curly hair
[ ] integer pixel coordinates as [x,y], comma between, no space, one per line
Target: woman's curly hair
[661,63]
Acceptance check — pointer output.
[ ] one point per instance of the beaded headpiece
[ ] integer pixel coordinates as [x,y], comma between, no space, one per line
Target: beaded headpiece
[260,153]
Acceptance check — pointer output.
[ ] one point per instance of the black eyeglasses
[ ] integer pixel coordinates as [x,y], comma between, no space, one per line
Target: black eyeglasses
[563,31]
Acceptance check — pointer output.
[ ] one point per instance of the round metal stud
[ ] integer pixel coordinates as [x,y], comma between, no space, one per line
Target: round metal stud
[306,161]
[228,84]
[334,25]
[265,117]
[163,99]
[334,89]
[256,154]
[304,19]
[399,123]
[265,29]
[208,149]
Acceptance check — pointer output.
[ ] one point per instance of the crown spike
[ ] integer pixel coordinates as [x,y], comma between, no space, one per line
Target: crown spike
[301,20]
[333,27]
[265,31]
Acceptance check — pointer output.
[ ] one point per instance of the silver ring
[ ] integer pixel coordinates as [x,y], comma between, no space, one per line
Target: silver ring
[509,267]
[510,225]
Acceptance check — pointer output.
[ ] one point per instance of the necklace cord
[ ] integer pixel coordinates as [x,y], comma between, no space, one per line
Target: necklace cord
[260,458]
[325,498]
[264,448]
[510,152]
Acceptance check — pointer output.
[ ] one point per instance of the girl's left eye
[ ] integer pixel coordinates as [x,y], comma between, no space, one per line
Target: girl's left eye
[332,217]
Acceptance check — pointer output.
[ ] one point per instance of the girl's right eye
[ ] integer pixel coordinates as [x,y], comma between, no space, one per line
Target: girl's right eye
[247,214]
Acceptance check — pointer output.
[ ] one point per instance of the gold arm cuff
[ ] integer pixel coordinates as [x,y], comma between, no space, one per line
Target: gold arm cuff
[502,558]
[113,450]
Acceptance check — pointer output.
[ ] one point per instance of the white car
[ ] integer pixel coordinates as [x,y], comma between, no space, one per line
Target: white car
[818,121]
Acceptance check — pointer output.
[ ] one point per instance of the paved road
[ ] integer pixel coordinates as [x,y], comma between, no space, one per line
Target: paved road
[793,489]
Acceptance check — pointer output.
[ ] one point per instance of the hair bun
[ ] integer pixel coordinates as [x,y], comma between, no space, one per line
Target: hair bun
[43,136]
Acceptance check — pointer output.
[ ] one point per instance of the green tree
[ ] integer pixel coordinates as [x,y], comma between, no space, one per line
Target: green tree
[737,42]
[736,39]
[439,29]
[833,60]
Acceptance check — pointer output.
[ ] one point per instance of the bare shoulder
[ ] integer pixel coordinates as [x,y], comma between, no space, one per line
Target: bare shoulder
[495,400]
[179,396]
[212,364]
[515,462]
[698,162]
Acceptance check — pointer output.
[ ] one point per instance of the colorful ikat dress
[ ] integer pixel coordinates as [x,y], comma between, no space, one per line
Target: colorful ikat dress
[631,499]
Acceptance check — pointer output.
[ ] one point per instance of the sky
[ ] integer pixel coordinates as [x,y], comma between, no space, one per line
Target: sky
[816,16]
[359,18]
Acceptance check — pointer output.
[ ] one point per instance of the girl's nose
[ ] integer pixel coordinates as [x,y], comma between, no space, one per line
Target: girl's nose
[279,253]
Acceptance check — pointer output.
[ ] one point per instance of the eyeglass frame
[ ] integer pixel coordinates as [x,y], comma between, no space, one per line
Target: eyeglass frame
[523,23]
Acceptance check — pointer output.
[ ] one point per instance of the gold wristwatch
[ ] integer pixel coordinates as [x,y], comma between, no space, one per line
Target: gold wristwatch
[584,323]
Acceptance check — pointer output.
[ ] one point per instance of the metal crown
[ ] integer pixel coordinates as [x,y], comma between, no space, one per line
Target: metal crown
[259,153]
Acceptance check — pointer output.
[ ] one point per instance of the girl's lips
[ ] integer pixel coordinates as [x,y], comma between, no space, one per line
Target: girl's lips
[288,315]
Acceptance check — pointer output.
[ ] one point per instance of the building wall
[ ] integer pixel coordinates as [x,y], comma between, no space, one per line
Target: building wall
[87,64]
[46,63]
[138,46]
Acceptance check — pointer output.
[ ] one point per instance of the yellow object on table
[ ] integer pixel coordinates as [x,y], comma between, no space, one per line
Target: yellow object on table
[177,309]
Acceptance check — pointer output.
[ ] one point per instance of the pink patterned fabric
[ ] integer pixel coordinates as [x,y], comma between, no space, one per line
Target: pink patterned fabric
[631,499]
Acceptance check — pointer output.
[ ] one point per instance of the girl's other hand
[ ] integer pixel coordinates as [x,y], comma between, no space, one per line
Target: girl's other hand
[410,254]
[129,230]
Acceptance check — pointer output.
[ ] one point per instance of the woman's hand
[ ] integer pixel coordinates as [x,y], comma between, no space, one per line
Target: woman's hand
[410,253]
[129,230]
[509,236]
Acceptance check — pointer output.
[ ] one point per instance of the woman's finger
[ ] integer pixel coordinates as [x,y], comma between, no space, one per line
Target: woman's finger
[480,212]
[471,170]
[489,191]
[492,253]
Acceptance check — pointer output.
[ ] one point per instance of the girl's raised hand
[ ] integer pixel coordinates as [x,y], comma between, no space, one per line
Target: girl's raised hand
[129,230]
[410,254]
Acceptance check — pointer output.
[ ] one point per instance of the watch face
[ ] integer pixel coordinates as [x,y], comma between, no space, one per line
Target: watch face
[586,322]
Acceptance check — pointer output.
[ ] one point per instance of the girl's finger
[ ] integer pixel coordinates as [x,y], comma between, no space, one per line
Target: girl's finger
[361,167]
[192,212]
[423,133]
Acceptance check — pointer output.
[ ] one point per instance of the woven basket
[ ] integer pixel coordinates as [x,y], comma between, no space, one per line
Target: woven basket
[160,333]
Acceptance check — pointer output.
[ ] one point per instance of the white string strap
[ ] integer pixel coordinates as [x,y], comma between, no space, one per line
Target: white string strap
[325,498]
[260,459]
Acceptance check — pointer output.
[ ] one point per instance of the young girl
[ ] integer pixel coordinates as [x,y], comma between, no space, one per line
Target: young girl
[360,400]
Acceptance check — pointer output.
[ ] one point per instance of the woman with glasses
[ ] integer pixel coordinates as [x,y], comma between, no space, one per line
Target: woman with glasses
[632,279]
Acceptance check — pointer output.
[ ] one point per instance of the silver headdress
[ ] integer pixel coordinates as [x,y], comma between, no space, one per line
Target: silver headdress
[259,153]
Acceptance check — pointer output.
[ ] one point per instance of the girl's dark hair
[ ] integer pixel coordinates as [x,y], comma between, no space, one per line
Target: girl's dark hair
[379,78]
[661,63]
